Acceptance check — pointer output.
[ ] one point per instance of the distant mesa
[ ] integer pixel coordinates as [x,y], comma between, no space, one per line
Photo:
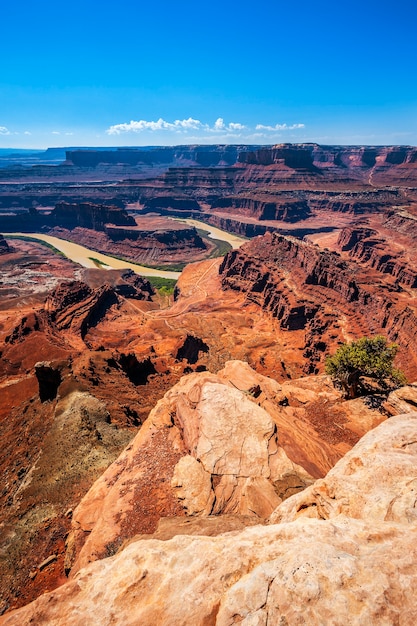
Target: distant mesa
[88,215]
[205,156]
[170,204]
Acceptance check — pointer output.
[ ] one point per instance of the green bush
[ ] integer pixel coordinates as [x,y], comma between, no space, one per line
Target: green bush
[370,357]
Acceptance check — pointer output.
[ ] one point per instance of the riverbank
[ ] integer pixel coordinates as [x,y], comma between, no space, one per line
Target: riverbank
[214,233]
[90,258]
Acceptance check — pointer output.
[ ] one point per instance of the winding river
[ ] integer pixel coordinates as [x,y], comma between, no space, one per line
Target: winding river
[215,233]
[84,256]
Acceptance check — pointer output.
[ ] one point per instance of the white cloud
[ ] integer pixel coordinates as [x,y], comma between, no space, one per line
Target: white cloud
[220,128]
[141,125]
[179,126]
[232,127]
[219,124]
[236,126]
[4,131]
[279,127]
[56,132]
[27,132]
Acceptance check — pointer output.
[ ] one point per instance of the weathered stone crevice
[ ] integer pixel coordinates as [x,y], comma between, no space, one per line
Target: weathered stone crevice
[191,349]
[137,371]
[49,379]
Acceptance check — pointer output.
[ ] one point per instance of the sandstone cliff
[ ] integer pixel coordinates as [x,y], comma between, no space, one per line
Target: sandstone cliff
[355,562]
[369,248]
[306,288]
[267,208]
[244,462]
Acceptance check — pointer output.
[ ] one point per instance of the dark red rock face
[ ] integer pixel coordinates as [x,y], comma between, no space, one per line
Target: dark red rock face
[282,209]
[4,246]
[306,288]
[87,215]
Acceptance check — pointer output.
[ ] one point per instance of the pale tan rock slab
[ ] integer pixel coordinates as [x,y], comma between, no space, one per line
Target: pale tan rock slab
[376,480]
[306,572]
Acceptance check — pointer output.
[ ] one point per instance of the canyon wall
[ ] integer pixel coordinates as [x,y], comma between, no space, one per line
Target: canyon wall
[304,287]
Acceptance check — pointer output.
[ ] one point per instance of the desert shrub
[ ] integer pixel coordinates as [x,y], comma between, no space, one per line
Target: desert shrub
[370,357]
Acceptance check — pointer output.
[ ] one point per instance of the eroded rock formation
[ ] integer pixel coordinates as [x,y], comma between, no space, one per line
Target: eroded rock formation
[267,208]
[307,288]
[311,570]
[4,246]
[87,215]
[214,445]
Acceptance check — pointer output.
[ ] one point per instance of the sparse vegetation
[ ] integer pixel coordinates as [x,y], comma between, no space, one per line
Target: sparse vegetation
[221,247]
[97,262]
[36,240]
[165,286]
[368,357]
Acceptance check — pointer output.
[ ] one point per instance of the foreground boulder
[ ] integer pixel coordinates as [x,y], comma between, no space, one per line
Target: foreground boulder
[376,480]
[310,571]
[206,448]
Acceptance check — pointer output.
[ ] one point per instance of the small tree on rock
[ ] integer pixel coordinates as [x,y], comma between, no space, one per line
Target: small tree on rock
[372,357]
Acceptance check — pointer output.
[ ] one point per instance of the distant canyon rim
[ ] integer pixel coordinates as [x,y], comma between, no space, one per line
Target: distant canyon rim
[108,377]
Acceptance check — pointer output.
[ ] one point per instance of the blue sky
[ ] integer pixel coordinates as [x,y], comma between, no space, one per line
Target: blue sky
[162,73]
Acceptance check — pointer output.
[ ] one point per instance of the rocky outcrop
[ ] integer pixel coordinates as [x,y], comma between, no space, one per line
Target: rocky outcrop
[72,307]
[76,307]
[350,236]
[311,571]
[132,285]
[87,215]
[185,462]
[297,282]
[147,244]
[402,400]
[206,180]
[365,246]
[206,156]
[238,226]
[384,460]
[69,216]
[214,445]
[49,378]
[296,157]
[4,246]
[308,156]
[282,209]
[165,204]
[403,221]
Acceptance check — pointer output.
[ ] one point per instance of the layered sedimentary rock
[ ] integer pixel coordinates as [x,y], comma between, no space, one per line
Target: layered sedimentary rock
[355,560]
[184,460]
[150,241]
[77,381]
[365,246]
[268,208]
[402,400]
[306,288]
[166,204]
[88,215]
[69,216]
[189,155]
[66,412]
[351,158]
